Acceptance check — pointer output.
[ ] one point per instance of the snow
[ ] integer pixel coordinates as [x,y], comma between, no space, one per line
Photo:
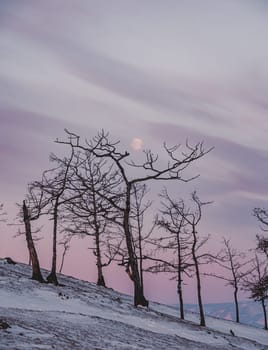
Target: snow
[80,315]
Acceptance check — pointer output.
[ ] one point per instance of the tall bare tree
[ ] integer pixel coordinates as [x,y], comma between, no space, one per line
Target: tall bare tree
[151,169]
[140,235]
[31,210]
[193,216]
[177,242]
[55,184]
[257,284]
[236,265]
[262,216]
[88,213]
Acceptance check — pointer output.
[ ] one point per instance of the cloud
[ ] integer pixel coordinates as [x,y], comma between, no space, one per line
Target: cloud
[234,166]
[26,140]
[74,65]
[164,71]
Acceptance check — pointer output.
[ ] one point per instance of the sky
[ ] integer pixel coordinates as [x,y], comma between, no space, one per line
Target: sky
[147,72]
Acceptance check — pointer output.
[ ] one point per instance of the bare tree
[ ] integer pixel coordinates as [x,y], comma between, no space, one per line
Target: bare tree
[102,147]
[262,244]
[177,241]
[236,265]
[257,284]
[54,184]
[31,212]
[193,217]
[88,213]
[262,216]
[139,208]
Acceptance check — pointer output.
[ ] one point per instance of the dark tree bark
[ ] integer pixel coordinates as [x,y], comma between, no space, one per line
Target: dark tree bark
[36,272]
[139,298]
[138,211]
[264,314]
[198,278]
[180,270]
[52,277]
[100,280]
[237,318]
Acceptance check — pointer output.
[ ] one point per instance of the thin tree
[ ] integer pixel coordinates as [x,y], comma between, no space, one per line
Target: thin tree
[31,212]
[193,217]
[54,184]
[176,241]
[88,213]
[257,284]
[236,265]
[140,236]
[262,241]
[102,147]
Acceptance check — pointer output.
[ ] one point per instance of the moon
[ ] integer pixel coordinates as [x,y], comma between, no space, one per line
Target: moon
[136,144]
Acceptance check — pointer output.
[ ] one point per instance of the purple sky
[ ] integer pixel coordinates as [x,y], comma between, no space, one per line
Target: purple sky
[153,70]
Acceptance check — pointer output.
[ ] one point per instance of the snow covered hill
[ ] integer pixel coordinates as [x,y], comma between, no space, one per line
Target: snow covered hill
[80,315]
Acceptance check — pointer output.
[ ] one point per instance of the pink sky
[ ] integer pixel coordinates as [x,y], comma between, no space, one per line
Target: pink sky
[153,71]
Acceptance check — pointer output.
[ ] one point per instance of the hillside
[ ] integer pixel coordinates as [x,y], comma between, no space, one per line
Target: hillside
[80,315]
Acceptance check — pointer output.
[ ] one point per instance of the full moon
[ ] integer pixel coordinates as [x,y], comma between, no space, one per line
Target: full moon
[136,144]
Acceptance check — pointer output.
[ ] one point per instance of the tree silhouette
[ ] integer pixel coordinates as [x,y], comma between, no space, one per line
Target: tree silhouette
[237,267]
[151,169]
[193,216]
[177,241]
[257,284]
[88,213]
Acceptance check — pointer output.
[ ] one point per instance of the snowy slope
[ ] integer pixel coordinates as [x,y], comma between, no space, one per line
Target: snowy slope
[80,315]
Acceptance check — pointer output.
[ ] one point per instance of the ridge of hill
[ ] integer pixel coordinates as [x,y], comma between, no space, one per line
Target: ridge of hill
[81,315]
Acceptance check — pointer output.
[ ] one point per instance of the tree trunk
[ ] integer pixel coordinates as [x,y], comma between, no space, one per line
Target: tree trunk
[237,319]
[139,298]
[52,277]
[101,280]
[141,260]
[264,314]
[198,280]
[63,258]
[200,304]
[179,288]
[36,272]
[179,285]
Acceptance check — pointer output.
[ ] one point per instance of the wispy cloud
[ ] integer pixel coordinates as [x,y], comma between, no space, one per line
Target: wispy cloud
[166,70]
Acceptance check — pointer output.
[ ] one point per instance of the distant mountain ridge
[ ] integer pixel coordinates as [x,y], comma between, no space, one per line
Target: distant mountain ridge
[250,312]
